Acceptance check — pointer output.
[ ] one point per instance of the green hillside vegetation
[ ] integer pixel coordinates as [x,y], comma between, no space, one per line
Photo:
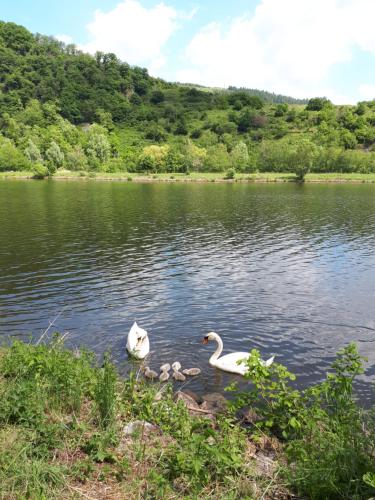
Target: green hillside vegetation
[63,109]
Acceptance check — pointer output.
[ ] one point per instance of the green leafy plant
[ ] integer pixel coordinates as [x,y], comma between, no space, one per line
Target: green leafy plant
[322,426]
[230,174]
[40,171]
[105,393]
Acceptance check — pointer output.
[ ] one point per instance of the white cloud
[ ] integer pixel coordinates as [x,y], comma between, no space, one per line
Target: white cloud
[134,33]
[367,91]
[64,38]
[286,46]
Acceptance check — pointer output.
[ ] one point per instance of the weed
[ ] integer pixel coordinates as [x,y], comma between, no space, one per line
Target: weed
[105,393]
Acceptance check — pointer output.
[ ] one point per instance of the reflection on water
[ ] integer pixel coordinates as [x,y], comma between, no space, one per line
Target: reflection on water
[288,269]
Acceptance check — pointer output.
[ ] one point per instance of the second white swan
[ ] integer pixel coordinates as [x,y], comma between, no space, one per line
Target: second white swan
[138,344]
[230,362]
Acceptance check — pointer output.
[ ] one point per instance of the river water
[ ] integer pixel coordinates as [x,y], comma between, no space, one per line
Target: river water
[288,269]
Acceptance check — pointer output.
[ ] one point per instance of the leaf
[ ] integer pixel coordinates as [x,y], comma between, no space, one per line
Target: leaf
[369,479]
[294,423]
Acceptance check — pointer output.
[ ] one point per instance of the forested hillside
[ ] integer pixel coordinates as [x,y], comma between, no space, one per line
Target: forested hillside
[61,108]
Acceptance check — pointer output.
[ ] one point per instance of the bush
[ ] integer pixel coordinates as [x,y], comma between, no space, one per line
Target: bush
[318,103]
[157,97]
[155,133]
[40,171]
[217,159]
[11,158]
[329,438]
[230,174]
[76,160]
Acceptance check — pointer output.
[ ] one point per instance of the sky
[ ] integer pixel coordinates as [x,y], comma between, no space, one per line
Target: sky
[302,48]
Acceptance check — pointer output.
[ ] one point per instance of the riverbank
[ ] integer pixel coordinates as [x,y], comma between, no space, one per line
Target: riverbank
[219,177]
[70,428]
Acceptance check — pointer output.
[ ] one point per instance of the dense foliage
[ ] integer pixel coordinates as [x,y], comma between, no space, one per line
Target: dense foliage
[62,420]
[61,108]
[330,440]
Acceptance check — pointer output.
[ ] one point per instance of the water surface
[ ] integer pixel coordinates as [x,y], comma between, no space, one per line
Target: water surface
[288,269]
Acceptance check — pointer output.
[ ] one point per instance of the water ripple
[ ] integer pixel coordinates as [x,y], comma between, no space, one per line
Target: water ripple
[289,270]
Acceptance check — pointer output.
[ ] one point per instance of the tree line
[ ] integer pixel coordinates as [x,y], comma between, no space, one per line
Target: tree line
[62,108]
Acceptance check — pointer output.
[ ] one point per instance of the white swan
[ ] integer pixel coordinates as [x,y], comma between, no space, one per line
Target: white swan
[137,344]
[229,362]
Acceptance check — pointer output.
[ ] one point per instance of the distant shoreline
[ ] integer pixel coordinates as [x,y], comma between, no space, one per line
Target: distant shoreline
[195,177]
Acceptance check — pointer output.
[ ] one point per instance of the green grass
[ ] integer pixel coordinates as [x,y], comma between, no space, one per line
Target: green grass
[16,175]
[61,433]
[202,176]
[61,421]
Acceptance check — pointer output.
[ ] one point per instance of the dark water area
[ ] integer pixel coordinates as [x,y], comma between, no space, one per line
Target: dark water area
[287,269]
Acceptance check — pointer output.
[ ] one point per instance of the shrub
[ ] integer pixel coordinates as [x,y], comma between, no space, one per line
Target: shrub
[76,160]
[11,158]
[217,159]
[329,439]
[318,103]
[230,174]
[153,158]
[155,133]
[157,97]
[55,157]
[40,171]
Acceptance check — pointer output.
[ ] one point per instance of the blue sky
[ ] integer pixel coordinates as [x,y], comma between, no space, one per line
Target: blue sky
[302,48]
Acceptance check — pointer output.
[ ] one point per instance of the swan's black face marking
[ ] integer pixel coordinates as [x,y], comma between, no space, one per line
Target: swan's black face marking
[205,340]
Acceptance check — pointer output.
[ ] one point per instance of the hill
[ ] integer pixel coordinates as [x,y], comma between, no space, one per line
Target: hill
[60,107]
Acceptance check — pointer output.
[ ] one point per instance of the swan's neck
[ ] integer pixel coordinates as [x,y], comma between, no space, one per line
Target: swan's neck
[218,351]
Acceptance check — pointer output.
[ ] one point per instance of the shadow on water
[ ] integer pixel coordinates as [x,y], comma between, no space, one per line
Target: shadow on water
[288,269]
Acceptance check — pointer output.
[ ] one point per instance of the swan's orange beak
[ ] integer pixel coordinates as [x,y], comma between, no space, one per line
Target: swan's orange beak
[205,340]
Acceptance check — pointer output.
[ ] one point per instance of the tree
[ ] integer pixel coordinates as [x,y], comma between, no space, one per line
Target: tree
[153,158]
[11,158]
[155,132]
[76,159]
[348,139]
[32,152]
[318,103]
[303,154]
[296,155]
[361,109]
[240,156]
[181,128]
[281,110]
[104,118]
[217,159]
[176,161]
[195,156]
[157,97]
[98,147]
[248,119]
[55,157]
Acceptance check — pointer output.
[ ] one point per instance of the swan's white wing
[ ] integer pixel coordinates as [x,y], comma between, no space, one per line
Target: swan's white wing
[138,344]
[230,362]
[132,337]
[143,348]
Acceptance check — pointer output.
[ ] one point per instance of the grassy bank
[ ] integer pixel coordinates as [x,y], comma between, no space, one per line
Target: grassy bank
[201,177]
[64,433]
[62,421]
